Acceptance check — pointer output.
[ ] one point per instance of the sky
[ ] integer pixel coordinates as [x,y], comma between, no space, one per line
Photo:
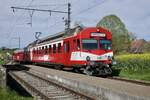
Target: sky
[134,14]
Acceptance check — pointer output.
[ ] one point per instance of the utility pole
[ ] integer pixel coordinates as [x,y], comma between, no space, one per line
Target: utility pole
[49,11]
[19,42]
[69,13]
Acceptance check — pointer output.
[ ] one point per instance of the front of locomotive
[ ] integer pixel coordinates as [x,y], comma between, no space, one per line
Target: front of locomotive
[96,51]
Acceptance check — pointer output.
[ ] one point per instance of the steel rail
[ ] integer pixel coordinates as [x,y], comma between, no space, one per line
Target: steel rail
[130,81]
[29,86]
[62,87]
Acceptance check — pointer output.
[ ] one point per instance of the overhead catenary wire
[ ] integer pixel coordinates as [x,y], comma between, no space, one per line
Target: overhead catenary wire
[17,19]
[46,5]
[89,8]
[31,14]
[62,5]
[12,27]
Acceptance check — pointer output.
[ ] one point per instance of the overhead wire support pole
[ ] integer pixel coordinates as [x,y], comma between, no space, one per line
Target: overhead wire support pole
[69,13]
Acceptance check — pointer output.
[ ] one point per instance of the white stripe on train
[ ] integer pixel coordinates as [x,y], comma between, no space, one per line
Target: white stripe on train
[81,56]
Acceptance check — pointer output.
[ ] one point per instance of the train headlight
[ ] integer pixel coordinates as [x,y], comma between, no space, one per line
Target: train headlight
[109,58]
[88,58]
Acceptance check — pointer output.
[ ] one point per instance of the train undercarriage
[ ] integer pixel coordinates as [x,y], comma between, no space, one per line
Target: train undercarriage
[95,69]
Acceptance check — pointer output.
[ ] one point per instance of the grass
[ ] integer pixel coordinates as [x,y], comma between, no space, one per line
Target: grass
[134,66]
[6,94]
[4,56]
[1,62]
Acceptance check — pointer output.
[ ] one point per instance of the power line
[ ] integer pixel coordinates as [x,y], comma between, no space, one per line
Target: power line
[17,19]
[89,8]
[46,5]
[42,10]
[13,24]
[50,11]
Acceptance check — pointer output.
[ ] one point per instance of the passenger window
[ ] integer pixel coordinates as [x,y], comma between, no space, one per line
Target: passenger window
[42,49]
[74,44]
[37,51]
[46,50]
[68,46]
[54,48]
[65,47]
[33,50]
[78,44]
[59,47]
[50,49]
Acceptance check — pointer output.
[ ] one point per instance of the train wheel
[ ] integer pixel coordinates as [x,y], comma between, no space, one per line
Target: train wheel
[58,67]
[77,70]
[88,71]
[108,70]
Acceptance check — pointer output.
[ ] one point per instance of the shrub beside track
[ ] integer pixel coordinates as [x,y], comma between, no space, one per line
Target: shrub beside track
[134,66]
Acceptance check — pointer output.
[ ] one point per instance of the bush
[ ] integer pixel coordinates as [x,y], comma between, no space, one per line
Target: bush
[134,65]
[6,94]
[133,61]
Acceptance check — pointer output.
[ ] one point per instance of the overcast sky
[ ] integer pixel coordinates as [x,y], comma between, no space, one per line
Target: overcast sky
[135,14]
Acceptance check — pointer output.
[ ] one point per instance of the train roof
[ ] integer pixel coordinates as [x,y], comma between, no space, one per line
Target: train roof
[57,36]
[62,34]
[19,50]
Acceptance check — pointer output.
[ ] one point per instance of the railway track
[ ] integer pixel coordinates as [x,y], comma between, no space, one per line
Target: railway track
[130,81]
[139,82]
[48,90]
[82,87]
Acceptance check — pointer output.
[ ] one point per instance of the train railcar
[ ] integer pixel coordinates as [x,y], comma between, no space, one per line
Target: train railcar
[88,50]
[18,56]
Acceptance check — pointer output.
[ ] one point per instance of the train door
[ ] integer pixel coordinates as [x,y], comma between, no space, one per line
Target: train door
[66,52]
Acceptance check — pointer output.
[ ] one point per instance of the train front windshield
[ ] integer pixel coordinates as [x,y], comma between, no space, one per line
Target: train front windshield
[89,44]
[92,44]
[105,44]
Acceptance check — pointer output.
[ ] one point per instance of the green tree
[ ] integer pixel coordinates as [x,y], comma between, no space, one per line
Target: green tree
[146,47]
[120,36]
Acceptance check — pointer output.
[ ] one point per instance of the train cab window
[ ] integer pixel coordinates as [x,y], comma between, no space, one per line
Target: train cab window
[105,44]
[78,44]
[59,47]
[50,49]
[89,44]
[54,48]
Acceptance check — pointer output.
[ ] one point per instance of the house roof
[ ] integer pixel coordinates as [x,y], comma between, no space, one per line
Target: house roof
[137,46]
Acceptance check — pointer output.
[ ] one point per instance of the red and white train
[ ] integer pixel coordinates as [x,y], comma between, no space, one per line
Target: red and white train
[88,50]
